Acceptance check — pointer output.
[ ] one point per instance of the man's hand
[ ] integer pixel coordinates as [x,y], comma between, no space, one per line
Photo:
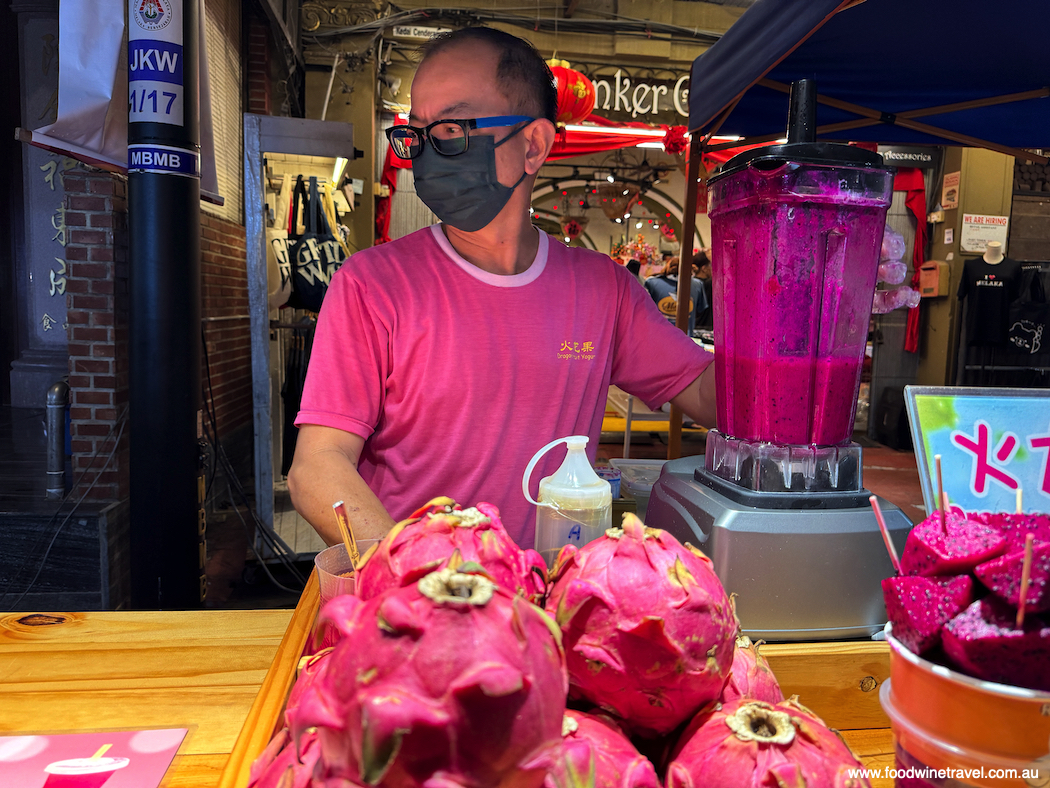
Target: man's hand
[697,400]
[324,471]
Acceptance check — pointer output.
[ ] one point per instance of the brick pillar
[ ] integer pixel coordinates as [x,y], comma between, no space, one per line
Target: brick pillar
[258,71]
[97,301]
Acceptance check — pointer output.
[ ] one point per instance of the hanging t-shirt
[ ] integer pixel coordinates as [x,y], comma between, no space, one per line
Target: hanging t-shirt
[664,290]
[988,291]
[455,376]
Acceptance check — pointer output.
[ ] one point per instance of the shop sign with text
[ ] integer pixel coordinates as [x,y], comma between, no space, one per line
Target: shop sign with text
[621,94]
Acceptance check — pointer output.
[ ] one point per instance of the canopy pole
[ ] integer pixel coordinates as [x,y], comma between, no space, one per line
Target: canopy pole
[685,275]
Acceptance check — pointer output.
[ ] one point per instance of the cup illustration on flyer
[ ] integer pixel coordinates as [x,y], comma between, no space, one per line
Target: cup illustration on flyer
[108,759]
[90,772]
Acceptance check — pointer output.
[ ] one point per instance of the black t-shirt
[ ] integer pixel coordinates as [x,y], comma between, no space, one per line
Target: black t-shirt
[989,290]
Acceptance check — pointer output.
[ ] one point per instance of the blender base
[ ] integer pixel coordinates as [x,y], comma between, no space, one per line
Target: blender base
[811,569]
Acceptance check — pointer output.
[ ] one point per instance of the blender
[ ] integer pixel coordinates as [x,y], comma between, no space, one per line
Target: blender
[777,501]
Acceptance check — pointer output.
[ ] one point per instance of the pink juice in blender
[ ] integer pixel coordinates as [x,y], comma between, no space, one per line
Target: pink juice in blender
[795,255]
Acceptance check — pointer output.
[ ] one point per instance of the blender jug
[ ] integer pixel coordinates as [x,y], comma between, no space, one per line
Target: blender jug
[797,230]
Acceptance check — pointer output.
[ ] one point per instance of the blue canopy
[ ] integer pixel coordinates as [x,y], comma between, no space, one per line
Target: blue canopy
[880,66]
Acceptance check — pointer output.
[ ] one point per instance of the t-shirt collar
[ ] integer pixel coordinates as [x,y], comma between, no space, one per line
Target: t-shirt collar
[496,280]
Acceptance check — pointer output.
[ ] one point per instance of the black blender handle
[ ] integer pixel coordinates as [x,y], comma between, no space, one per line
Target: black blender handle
[802,112]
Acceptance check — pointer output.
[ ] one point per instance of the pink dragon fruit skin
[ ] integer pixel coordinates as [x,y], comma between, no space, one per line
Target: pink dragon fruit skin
[927,552]
[597,754]
[753,743]
[1014,527]
[451,681]
[648,629]
[423,543]
[751,675]
[280,766]
[983,641]
[1003,576]
[919,606]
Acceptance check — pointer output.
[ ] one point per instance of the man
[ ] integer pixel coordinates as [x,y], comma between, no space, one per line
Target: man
[443,361]
[702,271]
[664,290]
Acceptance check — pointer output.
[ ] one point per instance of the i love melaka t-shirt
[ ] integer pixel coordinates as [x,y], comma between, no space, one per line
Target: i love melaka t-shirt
[989,290]
[455,377]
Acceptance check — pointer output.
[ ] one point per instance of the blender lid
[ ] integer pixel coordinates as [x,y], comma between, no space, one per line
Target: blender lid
[802,146]
[826,154]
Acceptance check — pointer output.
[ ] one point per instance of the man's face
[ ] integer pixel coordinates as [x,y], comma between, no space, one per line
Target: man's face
[460,82]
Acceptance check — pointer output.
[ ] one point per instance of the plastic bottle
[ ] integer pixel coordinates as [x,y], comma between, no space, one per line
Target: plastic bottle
[575,505]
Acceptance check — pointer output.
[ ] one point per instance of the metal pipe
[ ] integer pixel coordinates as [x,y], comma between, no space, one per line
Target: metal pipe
[57,399]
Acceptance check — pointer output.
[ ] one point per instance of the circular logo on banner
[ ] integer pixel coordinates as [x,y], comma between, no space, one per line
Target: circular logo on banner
[153,15]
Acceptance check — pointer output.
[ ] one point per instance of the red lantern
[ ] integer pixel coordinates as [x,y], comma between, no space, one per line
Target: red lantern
[576,93]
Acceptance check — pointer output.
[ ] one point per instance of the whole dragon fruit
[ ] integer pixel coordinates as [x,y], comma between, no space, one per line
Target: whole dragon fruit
[451,681]
[423,543]
[597,754]
[753,743]
[751,675]
[952,550]
[920,606]
[280,766]
[648,629]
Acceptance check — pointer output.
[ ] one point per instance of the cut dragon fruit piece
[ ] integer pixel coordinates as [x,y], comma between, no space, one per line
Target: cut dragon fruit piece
[985,642]
[1014,527]
[929,551]
[920,606]
[1003,576]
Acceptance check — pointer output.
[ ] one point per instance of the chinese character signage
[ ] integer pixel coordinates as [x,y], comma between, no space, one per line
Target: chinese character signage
[991,442]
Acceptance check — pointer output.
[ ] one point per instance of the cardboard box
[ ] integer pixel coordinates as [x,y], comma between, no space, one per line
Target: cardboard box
[934,277]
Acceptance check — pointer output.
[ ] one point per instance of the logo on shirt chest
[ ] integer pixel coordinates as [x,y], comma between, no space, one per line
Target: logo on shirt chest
[577,351]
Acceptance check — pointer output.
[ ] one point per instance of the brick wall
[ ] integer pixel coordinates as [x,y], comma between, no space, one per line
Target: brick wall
[97,304]
[224,295]
[258,67]
[97,300]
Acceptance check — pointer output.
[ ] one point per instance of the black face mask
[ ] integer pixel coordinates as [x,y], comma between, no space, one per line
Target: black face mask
[463,190]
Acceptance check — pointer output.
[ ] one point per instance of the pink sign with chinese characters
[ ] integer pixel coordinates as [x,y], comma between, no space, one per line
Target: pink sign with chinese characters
[113,759]
[992,442]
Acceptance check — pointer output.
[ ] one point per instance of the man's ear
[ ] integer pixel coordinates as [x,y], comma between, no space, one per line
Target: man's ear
[539,138]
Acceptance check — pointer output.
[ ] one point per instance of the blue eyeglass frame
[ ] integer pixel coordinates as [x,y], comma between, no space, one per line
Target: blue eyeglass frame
[467,124]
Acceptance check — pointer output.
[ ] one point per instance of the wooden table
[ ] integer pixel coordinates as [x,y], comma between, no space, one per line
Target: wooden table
[79,671]
[228,672]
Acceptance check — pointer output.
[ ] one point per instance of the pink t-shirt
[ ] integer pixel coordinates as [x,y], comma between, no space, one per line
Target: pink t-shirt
[456,377]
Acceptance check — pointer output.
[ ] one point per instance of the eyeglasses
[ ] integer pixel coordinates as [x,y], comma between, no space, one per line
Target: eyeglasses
[448,137]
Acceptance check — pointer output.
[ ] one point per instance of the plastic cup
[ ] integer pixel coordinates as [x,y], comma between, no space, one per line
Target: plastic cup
[611,475]
[82,772]
[335,573]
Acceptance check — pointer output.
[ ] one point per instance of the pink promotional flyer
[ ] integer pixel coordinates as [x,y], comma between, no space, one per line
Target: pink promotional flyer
[114,759]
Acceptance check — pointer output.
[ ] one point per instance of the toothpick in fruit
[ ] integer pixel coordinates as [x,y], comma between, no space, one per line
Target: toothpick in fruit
[940,495]
[1026,576]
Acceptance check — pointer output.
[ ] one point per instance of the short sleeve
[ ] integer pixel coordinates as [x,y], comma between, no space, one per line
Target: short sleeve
[349,363]
[652,359]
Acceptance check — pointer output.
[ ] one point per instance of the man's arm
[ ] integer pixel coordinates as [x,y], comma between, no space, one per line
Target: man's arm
[324,471]
[697,400]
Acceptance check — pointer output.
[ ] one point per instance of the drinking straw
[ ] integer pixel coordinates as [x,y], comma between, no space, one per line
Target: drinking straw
[940,494]
[1026,576]
[1020,508]
[346,532]
[101,751]
[886,535]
